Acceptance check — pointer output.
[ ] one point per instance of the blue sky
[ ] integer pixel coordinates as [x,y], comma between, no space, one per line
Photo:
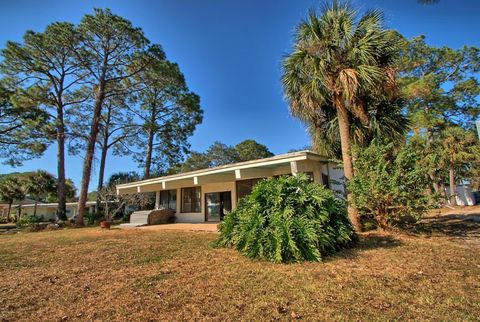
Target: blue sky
[230,52]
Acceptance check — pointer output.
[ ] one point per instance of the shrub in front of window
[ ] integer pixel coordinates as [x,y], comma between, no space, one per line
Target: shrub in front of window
[288,219]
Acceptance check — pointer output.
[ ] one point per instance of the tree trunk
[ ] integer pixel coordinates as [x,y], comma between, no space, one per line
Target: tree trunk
[89,154]
[151,134]
[103,160]
[453,199]
[61,190]
[35,206]
[9,218]
[344,126]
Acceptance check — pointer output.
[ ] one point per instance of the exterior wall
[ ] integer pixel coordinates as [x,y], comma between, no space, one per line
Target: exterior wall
[205,188]
[317,168]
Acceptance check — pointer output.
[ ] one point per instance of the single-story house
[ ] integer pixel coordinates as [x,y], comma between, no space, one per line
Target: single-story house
[47,210]
[206,195]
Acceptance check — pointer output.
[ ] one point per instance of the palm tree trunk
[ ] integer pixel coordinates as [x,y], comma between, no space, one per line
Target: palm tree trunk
[344,126]
[453,199]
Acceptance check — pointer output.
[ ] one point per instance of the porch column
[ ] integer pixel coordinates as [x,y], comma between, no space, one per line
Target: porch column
[157,200]
[294,168]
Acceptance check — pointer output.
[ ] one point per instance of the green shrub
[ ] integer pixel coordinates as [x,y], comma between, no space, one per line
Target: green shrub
[3,220]
[29,220]
[288,219]
[92,218]
[389,184]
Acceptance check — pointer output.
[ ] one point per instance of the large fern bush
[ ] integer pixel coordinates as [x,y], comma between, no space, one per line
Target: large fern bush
[287,219]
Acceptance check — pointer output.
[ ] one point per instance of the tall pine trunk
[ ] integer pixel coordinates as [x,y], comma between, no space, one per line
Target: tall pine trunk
[451,172]
[92,139]
[151,134]
[103,159]
[61,189]
[344,126]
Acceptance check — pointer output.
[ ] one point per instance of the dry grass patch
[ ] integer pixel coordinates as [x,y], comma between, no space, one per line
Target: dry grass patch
[89,274]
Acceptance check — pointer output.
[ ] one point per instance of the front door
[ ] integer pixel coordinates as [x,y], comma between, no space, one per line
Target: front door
[217,204]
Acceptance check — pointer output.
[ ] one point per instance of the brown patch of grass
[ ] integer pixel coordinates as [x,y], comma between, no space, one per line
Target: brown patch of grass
[90,274]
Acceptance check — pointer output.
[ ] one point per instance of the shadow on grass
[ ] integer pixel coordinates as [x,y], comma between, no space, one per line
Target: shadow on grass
[367,241]
[455,225]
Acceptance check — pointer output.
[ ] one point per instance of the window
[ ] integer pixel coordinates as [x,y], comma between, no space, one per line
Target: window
[244,187]
[191,199]
[310,176]
[168,199]
[326,180]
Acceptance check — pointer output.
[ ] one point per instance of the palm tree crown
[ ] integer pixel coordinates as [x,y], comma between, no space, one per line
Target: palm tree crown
[338,64]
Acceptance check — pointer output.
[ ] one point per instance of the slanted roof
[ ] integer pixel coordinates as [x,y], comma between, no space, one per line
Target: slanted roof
[221,173]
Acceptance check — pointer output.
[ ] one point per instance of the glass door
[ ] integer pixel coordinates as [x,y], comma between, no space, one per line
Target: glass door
[217,204]
[212,202]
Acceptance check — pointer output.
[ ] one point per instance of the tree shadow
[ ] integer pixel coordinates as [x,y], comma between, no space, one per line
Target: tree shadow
[456,225]
[367,241]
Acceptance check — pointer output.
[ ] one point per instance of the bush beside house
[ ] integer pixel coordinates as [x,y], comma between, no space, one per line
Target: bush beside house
[288,219]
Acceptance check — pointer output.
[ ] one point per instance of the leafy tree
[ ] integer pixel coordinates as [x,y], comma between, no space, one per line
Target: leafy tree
[10,190]
[251,150]
[22,130]
[390,183]
[169,113]
[440,85]
[122,177]
[117,130]
[340,61]
[39,183]
[459,147]
[70,192]
[45,73]
[221,154]
[289,219]
[109,50]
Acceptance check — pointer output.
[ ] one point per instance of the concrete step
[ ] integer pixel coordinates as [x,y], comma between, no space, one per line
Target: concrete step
[140,217]
[130,225]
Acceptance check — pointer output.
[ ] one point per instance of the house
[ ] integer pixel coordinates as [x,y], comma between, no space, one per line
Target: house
[206,195]
[47,210]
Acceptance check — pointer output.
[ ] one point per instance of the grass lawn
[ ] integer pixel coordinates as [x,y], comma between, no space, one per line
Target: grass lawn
[89,274]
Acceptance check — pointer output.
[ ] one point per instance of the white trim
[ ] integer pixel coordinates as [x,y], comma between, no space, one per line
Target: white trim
[236,168]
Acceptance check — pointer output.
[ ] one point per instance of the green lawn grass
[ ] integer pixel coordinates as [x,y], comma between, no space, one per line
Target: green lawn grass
[89,274]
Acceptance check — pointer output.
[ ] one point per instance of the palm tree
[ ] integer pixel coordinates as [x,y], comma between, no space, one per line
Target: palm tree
[459,147]
[11,190]
[39,183]
[338,62]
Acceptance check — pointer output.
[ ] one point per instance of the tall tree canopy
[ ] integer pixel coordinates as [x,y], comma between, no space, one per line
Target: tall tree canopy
[339,63]
[440,85]
[22,130]
[168,114]
[109,50]
[44,72]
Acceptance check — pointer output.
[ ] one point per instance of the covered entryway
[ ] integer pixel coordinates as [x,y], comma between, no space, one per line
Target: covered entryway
[217,204]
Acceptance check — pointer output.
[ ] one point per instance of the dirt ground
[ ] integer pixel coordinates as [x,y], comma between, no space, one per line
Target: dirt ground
[169,275]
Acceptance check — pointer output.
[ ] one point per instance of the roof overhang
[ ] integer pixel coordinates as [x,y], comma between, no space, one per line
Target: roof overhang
[231,172]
